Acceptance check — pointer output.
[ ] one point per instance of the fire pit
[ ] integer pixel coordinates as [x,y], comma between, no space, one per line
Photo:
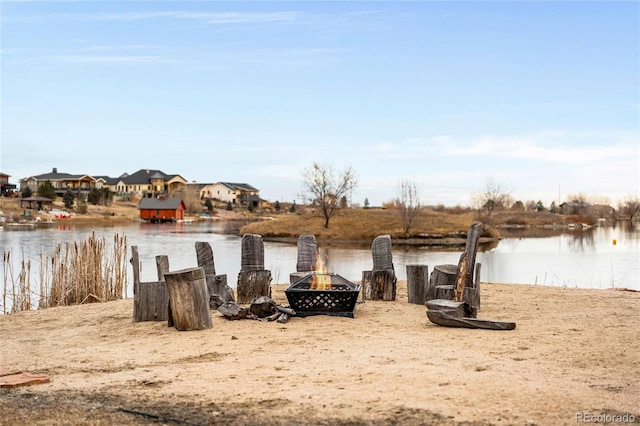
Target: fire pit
[323,294]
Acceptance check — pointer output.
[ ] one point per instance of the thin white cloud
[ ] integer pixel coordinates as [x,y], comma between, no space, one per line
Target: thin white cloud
[133,59]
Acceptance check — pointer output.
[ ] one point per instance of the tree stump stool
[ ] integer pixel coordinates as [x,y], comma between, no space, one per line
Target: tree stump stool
[189,299]
[417,283]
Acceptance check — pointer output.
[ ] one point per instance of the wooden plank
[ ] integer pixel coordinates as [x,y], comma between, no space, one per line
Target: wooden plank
[23,379]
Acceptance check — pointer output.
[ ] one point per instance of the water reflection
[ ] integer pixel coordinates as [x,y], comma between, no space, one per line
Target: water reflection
[585,258]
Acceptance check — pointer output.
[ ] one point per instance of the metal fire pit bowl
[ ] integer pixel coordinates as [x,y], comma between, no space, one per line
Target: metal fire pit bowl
[340,301]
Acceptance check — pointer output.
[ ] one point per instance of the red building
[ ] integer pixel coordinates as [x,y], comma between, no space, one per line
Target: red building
[161,209]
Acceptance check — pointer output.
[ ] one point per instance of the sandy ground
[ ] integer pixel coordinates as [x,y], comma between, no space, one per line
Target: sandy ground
[574,353]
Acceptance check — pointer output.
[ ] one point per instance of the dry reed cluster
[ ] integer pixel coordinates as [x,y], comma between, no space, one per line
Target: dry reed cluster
[76,273]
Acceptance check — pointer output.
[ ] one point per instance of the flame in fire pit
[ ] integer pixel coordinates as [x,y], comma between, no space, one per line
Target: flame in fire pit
[321,279]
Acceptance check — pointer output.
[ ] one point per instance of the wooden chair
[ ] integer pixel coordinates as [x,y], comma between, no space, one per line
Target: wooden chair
[219,290]
[307,257]
[442,283]
[380,282]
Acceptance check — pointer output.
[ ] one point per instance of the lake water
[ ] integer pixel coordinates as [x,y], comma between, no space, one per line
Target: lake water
[585,258]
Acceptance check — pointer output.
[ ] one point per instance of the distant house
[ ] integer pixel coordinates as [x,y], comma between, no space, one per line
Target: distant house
[5,187]
[61,182]
[574,207]
[161,209]
[150,183]
[241,194]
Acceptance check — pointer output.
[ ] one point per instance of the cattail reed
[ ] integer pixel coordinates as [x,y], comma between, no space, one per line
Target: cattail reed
[76,272]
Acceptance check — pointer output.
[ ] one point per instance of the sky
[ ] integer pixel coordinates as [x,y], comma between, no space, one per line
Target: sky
[539,98]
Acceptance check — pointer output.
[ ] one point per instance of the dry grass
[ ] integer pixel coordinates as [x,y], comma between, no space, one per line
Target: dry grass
[76,273]
[359,224]
[366,224]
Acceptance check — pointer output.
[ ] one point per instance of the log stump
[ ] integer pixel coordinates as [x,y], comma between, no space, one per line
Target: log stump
[253,284]
[417,283]
[189,299]
[379,285]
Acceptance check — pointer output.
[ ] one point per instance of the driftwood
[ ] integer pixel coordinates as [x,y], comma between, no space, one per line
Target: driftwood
[189,299]
[219,291]
[284,317]
[150,299]
[417,282]
[450,313]
[233,311]
[263,307]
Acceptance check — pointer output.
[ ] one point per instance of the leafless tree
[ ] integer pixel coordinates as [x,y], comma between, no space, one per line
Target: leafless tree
[494,197]
[630,206]
[324,188]
[408,203]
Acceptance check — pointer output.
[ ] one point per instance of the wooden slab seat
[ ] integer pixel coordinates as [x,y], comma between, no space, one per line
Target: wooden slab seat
[380,282]
[307,257]
[442,282]
[253,280]
[449,313]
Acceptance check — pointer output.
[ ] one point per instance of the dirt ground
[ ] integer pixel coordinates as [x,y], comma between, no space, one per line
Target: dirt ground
[574,355]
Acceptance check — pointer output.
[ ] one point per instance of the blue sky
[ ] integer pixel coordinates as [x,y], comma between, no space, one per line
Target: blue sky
[542,98]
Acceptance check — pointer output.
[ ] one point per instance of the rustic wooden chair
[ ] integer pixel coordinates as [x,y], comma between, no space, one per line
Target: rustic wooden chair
[219,291]
[442,282]
[307,257]
[380,282]
[253,280]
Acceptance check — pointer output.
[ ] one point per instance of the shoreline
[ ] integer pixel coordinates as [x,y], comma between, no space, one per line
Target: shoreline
[389,364]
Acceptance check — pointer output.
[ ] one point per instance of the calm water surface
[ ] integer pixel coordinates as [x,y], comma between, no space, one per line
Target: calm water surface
[585,259]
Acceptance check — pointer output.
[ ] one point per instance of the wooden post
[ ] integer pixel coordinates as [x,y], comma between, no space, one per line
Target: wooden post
[150,299]
[189,299]
[162,266]
[417,283]
[135,263]
[253,284]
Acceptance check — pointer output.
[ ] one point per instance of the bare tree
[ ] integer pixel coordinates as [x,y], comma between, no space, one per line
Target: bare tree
[324,188]
[408,203]
[630,206]
[494,197]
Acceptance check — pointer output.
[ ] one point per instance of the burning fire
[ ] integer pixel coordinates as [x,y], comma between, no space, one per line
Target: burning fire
[321,279]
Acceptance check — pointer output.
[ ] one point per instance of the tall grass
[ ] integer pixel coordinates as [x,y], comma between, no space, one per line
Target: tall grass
[76,273]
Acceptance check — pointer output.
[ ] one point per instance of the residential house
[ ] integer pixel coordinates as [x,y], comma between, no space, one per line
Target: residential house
[61,182]
[148,183]
[241,194]
[579,208]
[161,209]
[5,187]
